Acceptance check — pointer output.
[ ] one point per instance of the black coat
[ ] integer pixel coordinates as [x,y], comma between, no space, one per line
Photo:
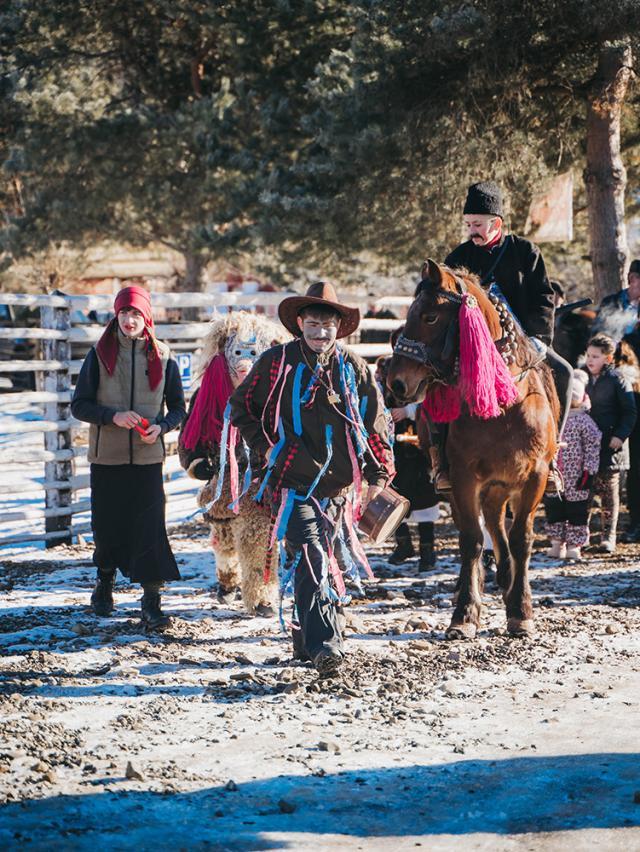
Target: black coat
[614,410]
[520,274]
[253,409]
[412,479]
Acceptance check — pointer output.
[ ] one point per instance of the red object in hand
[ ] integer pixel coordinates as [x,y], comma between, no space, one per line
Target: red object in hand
[142,426]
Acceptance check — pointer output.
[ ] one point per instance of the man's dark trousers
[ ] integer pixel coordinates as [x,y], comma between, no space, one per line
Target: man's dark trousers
[311,535]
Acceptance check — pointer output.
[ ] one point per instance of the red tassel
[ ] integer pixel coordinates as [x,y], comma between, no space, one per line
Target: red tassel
[442,403]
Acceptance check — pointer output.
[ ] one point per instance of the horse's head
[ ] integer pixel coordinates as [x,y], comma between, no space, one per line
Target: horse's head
[425,353]
[447,354]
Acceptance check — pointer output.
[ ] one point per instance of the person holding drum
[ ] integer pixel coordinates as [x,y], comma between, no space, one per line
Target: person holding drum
[313,412]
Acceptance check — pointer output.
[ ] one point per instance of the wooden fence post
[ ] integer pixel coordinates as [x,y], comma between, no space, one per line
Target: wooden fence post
[56,381]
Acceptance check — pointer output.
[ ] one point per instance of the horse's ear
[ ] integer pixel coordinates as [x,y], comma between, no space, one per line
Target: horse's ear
[431,271]
[393,337]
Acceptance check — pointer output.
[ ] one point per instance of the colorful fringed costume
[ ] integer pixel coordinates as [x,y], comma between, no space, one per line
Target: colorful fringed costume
[211,449]
[320,420]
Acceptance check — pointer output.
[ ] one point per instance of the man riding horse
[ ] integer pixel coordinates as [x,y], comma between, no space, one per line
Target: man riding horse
[465,356]
[512,269]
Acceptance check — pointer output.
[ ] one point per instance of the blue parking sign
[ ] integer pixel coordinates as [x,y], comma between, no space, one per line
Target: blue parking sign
[183,360]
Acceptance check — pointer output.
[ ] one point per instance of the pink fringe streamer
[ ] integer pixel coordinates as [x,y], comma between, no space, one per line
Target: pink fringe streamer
[233,469]
[336,573]
[357,476]
[356,544]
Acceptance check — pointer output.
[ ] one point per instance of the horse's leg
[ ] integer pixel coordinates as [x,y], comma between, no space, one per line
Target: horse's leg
[494,505]
[518,596]
[466,616]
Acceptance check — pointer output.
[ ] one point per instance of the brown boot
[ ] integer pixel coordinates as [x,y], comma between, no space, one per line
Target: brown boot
[439,472]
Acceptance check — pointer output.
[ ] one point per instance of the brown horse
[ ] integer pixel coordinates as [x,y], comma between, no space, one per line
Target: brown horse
[502,459]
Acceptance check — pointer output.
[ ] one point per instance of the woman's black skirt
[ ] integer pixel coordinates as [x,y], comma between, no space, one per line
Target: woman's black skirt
[127,518]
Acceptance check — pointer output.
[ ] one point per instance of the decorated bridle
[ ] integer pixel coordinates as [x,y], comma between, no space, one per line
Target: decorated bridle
[426,355]
[440,363]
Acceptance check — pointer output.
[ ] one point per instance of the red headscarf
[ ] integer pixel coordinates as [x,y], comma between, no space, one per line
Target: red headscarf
[108,345]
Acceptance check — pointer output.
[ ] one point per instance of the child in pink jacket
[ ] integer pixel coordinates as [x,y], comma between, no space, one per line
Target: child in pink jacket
[579,458]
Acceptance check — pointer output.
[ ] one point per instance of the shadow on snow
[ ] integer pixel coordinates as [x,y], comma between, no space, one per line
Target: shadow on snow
[514,796]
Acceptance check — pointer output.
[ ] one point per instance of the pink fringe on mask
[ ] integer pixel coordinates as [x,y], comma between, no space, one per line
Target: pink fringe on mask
[207,416]
[486,384]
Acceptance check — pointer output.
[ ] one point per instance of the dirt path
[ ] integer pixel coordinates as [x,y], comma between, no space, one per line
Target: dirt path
[209,737]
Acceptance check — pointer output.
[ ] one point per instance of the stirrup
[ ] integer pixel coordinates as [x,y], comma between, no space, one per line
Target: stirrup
[555,481]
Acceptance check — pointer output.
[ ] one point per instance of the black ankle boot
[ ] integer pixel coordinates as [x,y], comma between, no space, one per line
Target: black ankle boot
[102,595]
[152,615]
[427,546]
[404,546]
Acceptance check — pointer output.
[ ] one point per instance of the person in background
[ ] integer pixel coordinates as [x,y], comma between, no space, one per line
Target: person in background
[376,335]
[578,460]
[618,312]
[126,382]
[613,409]
[412,478]
[627,363]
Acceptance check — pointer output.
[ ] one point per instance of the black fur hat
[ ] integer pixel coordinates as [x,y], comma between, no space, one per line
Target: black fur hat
[485,198]
[635,267]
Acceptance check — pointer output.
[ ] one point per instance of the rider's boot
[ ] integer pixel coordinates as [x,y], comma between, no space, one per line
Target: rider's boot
[439,470]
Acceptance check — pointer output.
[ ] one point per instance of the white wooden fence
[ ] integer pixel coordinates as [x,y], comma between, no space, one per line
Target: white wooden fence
[62,457]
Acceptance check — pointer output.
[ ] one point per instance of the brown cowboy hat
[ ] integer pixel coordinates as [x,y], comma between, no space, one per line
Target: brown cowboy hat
[319,293]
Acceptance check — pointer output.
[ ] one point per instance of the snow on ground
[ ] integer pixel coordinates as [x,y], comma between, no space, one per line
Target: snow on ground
[210,737]
[179,488]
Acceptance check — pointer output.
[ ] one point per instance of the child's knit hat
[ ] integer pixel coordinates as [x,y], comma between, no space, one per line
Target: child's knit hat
[579,386]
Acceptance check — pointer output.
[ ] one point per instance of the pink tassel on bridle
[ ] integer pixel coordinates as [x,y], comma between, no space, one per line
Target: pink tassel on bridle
[486,385]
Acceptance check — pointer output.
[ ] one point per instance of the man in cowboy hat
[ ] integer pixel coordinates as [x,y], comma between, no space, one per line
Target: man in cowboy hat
[314,413]
[513,269]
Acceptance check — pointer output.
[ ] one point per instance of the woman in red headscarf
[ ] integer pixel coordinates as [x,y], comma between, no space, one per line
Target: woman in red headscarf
[129,390]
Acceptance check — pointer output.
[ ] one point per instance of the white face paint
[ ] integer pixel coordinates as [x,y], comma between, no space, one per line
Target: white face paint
[241,356]
[320,333]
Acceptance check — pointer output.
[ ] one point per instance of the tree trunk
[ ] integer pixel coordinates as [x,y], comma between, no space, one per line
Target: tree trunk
[191,281]
[605,176]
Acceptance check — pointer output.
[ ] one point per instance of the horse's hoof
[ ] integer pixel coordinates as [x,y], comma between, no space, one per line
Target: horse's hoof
[265,611]
[520,627]
[461,631]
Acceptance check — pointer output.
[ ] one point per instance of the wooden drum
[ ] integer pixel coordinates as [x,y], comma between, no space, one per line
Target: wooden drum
[383,515]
